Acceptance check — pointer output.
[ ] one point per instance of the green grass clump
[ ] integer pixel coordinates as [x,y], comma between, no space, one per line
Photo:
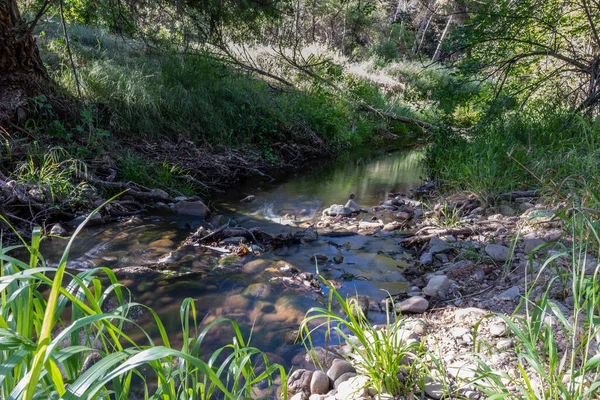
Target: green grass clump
[53,322]
[384,354]
[540,147]
[549,368]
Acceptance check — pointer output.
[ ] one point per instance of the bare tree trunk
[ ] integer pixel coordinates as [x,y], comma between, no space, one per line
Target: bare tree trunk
[423,26]
[438,50]
[22,73]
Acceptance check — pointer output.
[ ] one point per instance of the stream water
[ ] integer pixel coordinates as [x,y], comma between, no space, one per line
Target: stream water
[239,287]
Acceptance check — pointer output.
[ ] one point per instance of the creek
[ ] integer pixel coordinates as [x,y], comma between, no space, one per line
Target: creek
[240,288]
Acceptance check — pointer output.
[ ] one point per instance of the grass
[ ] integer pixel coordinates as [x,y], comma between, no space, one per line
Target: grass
[536,148]
[53,321]
[551,367]
[381,353]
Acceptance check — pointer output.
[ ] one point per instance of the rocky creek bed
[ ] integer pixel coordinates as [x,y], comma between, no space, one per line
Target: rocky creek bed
[462,266]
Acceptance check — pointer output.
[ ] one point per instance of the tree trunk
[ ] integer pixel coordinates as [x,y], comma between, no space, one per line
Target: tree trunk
[22,73]
[438,50]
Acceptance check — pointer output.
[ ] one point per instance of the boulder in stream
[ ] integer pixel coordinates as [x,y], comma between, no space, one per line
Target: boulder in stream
[194,208]
[337,210]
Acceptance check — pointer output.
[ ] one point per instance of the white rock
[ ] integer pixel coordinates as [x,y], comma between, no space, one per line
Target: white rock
[353,388]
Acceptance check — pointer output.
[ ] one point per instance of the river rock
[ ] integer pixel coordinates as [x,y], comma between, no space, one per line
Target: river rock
[258,290]
[510,294]
[352,205]
[299,382]
[362,302]
[343,378]
[338,368]
[530,244]
[370,225]
[403,216]
[497,330]
[469,316]
[497,252]
[96,219]
[248,199]
[353,388]
[433,389]
[392,226]
[338,210]
[437,286]
[291,337]
[320,258]
[58,230]
[338,259]
[194,208]
[415,304]
[320,357]
[319,384]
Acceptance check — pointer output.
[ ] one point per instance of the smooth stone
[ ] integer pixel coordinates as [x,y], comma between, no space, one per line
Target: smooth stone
[497,252]
[403,216]
[370,225]
[258,290]
[469,315]
[426,258]
[415,304]
[320,258]
[343,378]
[353,388]
[299,382]
[352,205]
[256,266]
[530,244]
[510,294]
[440,248]
[392,226]
[504,344]
[338,259]
[338,368]
[337,210]
[433,389]
[437,286]
[459,332]
[319,384]
[497,330]
[58,230]
[291,337]
[194,208]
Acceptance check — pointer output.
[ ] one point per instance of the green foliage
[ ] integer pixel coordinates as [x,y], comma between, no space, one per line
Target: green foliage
[382,353]
[547,368]
[535,147]
[52,323]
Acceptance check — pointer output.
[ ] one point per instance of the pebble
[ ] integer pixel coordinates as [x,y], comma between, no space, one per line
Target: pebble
[504,344]
[415,304]
[459,332]
[497,330]
[319,384]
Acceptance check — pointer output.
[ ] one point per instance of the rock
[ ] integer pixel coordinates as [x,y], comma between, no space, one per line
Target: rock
[299,382]
[58,230]
[437,286]
[462,369]
[255,266]
[497,330]
[343,378]
[338,210]
[291,337]
[235,240]
[370,225]
[319,384]
[497,252]
[552,235]
[459,332]
[362,302]
[96,219]
[319,357]
[258,290]
[298,396]
[440,248]
[353,388]
[392,226]
[504,344]
[339,368]
[338,259]
[433,389]
[403,216]
[320,258]
[510,294]
[351,204]
[478,211]
[530,244]
[523,207]
[248,199]
[415,304]
[194,208]
[426,258]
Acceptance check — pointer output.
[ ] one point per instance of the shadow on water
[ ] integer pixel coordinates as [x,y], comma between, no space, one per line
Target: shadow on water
[241,288]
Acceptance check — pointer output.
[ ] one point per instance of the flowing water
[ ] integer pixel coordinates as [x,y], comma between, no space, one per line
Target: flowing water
[239,287]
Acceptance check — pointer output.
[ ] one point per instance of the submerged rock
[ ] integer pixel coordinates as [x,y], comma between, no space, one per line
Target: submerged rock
[58,230]
[194,208]
[248,199]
